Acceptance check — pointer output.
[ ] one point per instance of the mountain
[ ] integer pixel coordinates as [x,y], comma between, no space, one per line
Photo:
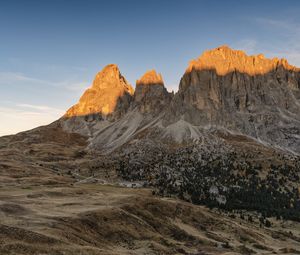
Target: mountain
[151,95]
[235,119]
[109,90]
[229,140]
[249,95]
[223,89]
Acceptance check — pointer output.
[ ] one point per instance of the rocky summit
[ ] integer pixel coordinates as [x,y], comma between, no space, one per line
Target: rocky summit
[222,90]
[150,95]
[215,165]
[109,89]
[249,95]
[225,60]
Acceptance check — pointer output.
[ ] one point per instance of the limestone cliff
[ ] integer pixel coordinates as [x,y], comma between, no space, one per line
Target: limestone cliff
[224,89]
[150,95]
[110,91]
[252,95]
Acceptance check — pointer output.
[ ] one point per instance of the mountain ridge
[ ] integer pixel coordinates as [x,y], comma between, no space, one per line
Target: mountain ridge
[102,97]
[224,89]
[235,131]
[224,60]
[225,147]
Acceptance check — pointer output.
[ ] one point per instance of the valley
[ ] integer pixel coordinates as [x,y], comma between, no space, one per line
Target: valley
[210,169]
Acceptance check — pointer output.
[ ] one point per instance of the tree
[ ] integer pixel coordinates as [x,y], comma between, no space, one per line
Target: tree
[268,223]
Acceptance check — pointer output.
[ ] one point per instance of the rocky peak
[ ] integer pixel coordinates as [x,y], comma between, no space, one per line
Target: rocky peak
[109,91]
[225,60]
[150,78]
[150,94]
[252,95]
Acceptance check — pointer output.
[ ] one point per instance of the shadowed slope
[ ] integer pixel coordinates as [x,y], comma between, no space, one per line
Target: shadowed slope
[150,95]
[222,89]
[99,219]
[250,95]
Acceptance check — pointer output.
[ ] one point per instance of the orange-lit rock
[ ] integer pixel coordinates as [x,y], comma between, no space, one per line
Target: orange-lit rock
[108,90]
[150,78]
[224,89]
[252,95]
[225,60]
[150,95]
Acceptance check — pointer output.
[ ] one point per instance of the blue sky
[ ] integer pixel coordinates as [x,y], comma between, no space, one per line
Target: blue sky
[51,50]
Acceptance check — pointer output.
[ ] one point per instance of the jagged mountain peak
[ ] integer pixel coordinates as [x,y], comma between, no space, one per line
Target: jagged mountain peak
[109,87]
[151,77]
[224,60]
[150,95]
[111,77]
[222,89]
[252,95]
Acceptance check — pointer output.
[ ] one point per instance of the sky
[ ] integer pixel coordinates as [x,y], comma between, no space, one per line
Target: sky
[51,50]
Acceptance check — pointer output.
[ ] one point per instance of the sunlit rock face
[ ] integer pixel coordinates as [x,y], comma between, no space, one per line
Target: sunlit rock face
[109,93]
[225,60]
[150,94]
[225,88]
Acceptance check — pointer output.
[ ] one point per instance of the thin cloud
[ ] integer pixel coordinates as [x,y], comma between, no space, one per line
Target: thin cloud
[11,77]
[23,116]
[284,46]
[26,116]
[41,108]
[288,47]
[20,78]
[78,87]
[247,45]
[283,25]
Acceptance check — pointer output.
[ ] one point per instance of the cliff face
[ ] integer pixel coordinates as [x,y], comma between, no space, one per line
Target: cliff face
[150,94]
[109,93]
[252,95]
[223,89]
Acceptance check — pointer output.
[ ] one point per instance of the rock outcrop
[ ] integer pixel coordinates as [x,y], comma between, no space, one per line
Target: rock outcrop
[109,93]
[225,60]
[150,95]
[251,95]
[223,89]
